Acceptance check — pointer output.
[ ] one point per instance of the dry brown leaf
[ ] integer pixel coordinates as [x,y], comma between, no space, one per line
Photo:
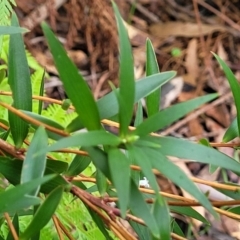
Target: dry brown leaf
[213,126]
[220,114]
[195,128]
[171,91]
[181,29]
[231,226]
[221,51]
[191,62]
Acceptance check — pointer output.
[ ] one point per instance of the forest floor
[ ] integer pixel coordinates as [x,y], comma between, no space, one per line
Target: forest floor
[183,33]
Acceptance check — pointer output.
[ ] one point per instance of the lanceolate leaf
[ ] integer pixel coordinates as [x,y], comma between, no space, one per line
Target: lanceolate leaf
[47,121]
[100,159]
[20,83]
[160,208]
[74,84]
[119,166]
[142,161]
[43,213]
[234,84]
[126,75]
[160,212]
[78,164]
[35,161]
[86,139]
[152,100]
[14,199]
[140,208]
[101,182]
[9,30]
[187,150]
[170,115]
[232,131]
[176,229]
[190,212]
[108,105]
[176,175]
[139,114]
[11,169]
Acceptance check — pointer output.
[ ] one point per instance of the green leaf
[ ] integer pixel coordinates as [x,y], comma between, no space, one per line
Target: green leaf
[101,182]
[20,83]
[99,159]
[54,183]
[235,210]
[41,92]
[205,142]
[140,158]
[139,114]
[15,198]
[234,85]
[119,166]
[16,227]
[86,139]
[35,160]
[230,193]
[188,150]
[141,231]
[177,176]
[43,213]
[108,105]
[139,208]
[152,100]
[9,30]
[169,115]
[99,222]
[177,229]
[190,212]
[47,121]
[232,131]
[160,212]
[74,84]
[78,164]
[57,166]
[11,169]
[126,75]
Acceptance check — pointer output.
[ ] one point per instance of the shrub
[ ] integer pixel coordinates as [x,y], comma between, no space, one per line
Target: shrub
[44,153]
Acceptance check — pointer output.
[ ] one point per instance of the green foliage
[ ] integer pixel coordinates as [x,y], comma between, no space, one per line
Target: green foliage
[153,99]
[5,11]
[109,156]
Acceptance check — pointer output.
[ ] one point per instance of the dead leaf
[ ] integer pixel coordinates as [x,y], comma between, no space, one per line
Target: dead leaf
[195,128]
[170,91]
[191,62]
[181,29]
[220,114]
[221,51]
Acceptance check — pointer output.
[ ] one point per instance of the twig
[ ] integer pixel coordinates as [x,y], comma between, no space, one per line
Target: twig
[145,12]
[55,221]
[11,227]
[207,59]
[11,150]
[67,233]
[195,114]
[39,14]
[93,202]
[219,14]
[33,121]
